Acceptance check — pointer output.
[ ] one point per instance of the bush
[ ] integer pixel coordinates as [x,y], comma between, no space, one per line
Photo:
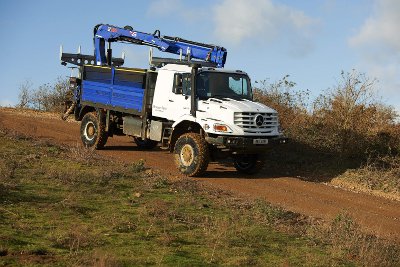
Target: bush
[353,117]
[47,97]
[291,104]
[348,119]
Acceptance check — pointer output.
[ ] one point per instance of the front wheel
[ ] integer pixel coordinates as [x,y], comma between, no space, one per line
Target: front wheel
[93,131]
[248,164]
[191,154]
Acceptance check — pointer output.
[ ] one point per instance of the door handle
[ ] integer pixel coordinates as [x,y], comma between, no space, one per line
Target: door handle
[170,100]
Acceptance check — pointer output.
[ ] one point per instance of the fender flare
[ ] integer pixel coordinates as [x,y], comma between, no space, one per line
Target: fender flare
[83,110]
[185,124]
[184,118]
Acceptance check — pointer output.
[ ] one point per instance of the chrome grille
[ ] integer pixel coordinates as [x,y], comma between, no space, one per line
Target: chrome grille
[247,121]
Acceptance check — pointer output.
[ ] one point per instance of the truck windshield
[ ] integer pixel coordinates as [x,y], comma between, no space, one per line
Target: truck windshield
[218,84]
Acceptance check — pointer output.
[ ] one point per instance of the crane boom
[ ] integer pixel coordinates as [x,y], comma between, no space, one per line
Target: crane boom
[175,45]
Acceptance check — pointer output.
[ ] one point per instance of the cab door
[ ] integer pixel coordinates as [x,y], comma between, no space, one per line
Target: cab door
[172,96]
[179,97]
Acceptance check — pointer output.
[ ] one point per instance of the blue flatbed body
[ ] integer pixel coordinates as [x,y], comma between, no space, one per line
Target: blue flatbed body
[113,88]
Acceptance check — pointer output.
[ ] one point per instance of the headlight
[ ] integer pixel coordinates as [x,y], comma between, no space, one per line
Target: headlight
[222,128]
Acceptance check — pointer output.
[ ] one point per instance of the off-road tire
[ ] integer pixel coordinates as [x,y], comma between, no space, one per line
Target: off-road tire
[249,164]
[145,143]
[191,154]
[93,130]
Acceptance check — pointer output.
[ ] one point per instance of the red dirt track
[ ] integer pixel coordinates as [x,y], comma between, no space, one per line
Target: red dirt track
[376,215]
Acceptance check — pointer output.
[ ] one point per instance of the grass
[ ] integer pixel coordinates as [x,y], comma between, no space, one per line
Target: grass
[380,175]
[69,207]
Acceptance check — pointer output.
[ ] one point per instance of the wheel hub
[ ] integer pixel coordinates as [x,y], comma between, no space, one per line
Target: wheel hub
[187,155]
[90,131]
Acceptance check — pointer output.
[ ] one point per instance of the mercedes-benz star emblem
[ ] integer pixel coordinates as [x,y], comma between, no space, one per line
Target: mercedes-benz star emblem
[259,120]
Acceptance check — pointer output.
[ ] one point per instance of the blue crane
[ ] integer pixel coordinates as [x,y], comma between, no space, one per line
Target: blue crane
[206,54]
[174,45]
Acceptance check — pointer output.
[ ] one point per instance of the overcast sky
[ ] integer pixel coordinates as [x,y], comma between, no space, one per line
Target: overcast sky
[312,41]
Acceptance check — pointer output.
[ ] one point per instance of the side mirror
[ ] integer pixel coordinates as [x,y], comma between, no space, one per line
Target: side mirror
[186,84]
[177,89]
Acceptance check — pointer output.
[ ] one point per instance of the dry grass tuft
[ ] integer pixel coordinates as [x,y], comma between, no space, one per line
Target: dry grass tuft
[82,154]
[346,240]
[379,176]
[78,237]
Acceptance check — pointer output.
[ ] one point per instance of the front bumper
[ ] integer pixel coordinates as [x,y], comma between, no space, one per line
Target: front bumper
[244,144]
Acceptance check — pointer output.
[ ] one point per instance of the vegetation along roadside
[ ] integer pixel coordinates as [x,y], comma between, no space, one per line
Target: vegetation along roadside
[63,206]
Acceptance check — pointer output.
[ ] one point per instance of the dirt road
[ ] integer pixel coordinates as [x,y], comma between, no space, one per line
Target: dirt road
[376,215]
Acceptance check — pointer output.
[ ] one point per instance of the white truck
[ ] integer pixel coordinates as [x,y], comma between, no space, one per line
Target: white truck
[193,108]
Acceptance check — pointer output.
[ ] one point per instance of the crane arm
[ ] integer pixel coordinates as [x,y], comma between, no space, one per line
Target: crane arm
[175,45]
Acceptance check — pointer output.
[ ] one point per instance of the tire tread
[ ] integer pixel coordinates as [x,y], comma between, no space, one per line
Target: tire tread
[203,157]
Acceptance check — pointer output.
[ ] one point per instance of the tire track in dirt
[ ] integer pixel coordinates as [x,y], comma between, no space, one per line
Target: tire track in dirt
[376,215]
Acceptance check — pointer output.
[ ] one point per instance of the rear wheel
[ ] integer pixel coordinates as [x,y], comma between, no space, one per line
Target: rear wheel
[145,143]
[248,163]
[191,154]
[93,131]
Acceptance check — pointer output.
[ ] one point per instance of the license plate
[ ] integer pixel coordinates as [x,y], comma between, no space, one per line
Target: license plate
[260,141]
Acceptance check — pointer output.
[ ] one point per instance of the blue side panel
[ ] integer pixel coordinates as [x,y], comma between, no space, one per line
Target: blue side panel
[96,92]
[128,97]
[114,88]
[129,84]
[98,74]
[99,77]
[128,78]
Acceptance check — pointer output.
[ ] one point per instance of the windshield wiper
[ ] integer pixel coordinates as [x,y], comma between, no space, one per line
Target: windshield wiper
[219,96]
[235,97]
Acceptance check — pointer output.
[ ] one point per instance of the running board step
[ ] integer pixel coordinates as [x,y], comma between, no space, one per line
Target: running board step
[166,138]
